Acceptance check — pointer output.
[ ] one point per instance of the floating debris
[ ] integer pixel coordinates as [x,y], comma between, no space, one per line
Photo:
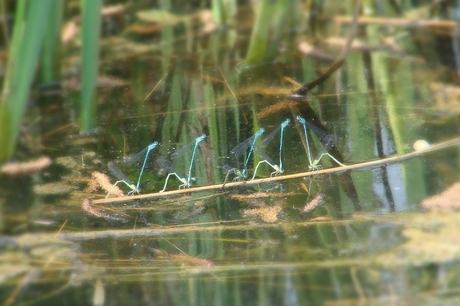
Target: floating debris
[445,97]
[268,214]
[430,238]
[420,144]
[317,201]
[26,168]
[86,206]
[99,293]
[450,198]
[55,188]
[198,208]
[101,180]
[207,21]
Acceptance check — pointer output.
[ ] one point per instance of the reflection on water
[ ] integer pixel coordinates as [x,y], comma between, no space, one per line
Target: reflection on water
[358,236]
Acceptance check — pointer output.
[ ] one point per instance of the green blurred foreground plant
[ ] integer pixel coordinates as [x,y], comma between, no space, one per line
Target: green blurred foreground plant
[91,25]
[31,21]
[35,26]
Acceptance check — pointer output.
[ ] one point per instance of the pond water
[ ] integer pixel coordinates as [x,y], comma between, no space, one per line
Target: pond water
[345,233]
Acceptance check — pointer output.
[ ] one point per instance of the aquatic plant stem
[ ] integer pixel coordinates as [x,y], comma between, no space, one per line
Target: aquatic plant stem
[270,25]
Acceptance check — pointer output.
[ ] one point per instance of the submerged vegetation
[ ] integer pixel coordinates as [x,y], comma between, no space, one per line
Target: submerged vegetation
[275,158]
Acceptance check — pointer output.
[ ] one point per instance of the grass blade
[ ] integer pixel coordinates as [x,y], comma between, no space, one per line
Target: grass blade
[91,27]
[30,25]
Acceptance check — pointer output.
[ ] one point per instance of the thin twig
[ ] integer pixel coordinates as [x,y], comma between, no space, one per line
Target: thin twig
[156,86]
[336,170]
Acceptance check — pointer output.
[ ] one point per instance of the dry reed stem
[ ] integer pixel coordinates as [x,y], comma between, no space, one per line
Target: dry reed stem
[267,214]
[86,206]
[26,168]
[99,179]
[337,170]
[448,199]
[310,50]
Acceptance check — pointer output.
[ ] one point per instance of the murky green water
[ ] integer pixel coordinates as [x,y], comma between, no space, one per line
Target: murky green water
[341,237]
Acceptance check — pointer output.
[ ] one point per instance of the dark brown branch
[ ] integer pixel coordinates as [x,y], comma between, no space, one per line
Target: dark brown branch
[302,91]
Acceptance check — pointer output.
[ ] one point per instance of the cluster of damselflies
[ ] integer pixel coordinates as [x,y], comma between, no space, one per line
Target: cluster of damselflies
[251,146]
